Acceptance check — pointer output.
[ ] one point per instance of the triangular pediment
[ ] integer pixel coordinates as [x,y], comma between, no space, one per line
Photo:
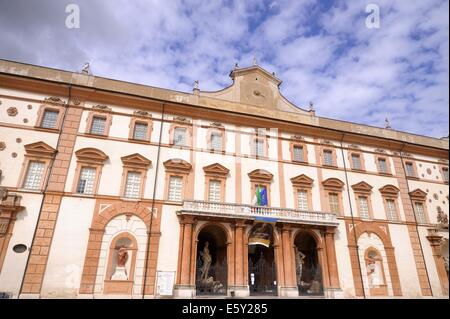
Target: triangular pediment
[177,165]
[418,194]
[302,180]
[260,175]
[91,154]
[136,160]
[333,183]
[39,149]
[362,187]
[216,169]
[389,190]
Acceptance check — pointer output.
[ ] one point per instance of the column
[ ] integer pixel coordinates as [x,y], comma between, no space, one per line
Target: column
[331,258]
[186,254]
[239,253]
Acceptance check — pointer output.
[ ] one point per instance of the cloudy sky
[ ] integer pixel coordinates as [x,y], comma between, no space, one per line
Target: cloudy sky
[322,50]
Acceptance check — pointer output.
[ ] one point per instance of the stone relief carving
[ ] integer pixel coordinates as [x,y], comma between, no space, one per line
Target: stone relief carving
[12,111]
[142,113]
[2,146]
[297,137]
[53,99]
[217,124]
[101,107]
[442,218]
[3,192]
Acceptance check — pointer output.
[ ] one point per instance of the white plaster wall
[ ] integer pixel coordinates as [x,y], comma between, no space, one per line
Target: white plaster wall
[343,261]
[68,250]
[169,240]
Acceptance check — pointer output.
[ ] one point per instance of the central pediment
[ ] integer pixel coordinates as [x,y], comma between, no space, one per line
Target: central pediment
[255,86]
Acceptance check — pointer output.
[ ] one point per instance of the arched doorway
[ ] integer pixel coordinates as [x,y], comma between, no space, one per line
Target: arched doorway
[262,278]
[211,266]
[308,269]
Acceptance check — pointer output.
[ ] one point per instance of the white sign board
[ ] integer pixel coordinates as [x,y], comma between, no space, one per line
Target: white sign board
[165,282]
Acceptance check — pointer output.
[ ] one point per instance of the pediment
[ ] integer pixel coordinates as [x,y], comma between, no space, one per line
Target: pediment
[177,165]
[362,187]
[216,169]
[40,149]
[389,190]
[260,175]
[136,160]
[302,180]
[91,154]
[418,194]
[333,183]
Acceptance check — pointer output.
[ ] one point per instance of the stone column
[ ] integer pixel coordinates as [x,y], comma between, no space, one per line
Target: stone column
[435,243]
[289,288]
[240,287]
[331,258]
[186,254]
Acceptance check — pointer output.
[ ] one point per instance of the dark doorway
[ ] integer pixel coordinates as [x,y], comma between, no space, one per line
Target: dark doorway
[308,269]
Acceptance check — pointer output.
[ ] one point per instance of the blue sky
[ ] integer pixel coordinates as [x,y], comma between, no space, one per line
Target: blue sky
[322,50]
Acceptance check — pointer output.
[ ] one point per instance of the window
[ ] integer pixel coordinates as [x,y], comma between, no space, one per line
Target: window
[175,188]
[445,174]
[216,141]
[391,211]
[382,165]
[86,180]
[140,131]
[334,202]
[259,147]
[179,136]
[363,207]
[328,157]
[34,175]
[409,169]
[98,125]
[49,119]
[133,185]
[298,153]
[420,212]
[214,190]
[302,199]
[356,161]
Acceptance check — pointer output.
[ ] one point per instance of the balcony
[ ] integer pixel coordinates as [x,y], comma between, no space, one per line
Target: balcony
[228,210]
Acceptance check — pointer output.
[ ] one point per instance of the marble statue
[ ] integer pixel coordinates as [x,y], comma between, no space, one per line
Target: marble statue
[442,217]
[374,272]
[299,261]
[122,256]
[207,259]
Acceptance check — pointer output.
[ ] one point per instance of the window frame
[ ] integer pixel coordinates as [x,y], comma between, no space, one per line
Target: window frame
[391,192]
[140,120]
[334,185]
[388,166]
[218,172]
[179,168]
[442,169]
[40,117]
[134,163]
[36,152]
[89,157]
[302,183]
[292,151]
[333,156]
[106,114]
[362,165]
[414,169]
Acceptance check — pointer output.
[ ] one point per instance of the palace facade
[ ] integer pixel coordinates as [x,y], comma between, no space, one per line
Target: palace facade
[114,189]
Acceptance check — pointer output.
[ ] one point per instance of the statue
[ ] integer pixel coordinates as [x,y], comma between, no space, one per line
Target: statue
[207,259]
[85,69]
[120,273]
[311,106]
[299,261]
[196,85]
[442,218]
[387,124]
[122,256]
[374,271]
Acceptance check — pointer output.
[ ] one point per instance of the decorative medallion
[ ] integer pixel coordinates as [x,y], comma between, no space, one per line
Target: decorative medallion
[12,111]
[25,120]
[2,146]
[18,140]
[14,155]
[428,171]
[53,99]
[29,106]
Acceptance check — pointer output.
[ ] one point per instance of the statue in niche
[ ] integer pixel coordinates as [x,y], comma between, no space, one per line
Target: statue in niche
[374,271]
[122,256]
[442,217]
[120,273]
[299,262]
[207,259]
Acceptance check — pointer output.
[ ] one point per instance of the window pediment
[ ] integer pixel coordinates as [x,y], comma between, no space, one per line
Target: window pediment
[91,155]
[177,165]
[260,175]
[302,180]
[389,190]
[418,194]
[136,160]
[333,184]
[216,169]
[362,187]
[40,149]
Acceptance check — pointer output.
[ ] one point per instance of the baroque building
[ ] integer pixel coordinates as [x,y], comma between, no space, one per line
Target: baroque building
[114,189]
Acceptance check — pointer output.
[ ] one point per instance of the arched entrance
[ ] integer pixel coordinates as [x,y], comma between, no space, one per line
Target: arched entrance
[308,270]
[262,277]
[211,266]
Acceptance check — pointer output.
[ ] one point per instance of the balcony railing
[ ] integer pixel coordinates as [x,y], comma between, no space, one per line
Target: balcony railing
[230,210]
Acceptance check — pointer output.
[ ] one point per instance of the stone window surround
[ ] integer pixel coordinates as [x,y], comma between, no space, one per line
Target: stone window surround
[322,150]
[140,120]
[217,130]
[390,192]
[414,167]
[99,113]
[419,196]
[292,144]
[89,157]
[333,186]
[362,189]
[361,160]
[177,168]
[134,163]
[38,152]
[260,177]
[302,183]
[189,135]
[388,165]
[41,112]
[441,169]
[262,137]
[219,173]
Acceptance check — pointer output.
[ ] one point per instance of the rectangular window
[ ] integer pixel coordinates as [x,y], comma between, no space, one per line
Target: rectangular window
[420,213]
[334,202]
[382,165]
[49,119]
[409,169]
[328,157]
[98,125]
[175,188]
[298,153]
[391,209]
[179,136]
[363,207]
[34,175]
[356,161]
[133,185]
[445,174]
[302,199]
[86,181]
[216,141]
[140,131]
[259,147]
[214,190]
